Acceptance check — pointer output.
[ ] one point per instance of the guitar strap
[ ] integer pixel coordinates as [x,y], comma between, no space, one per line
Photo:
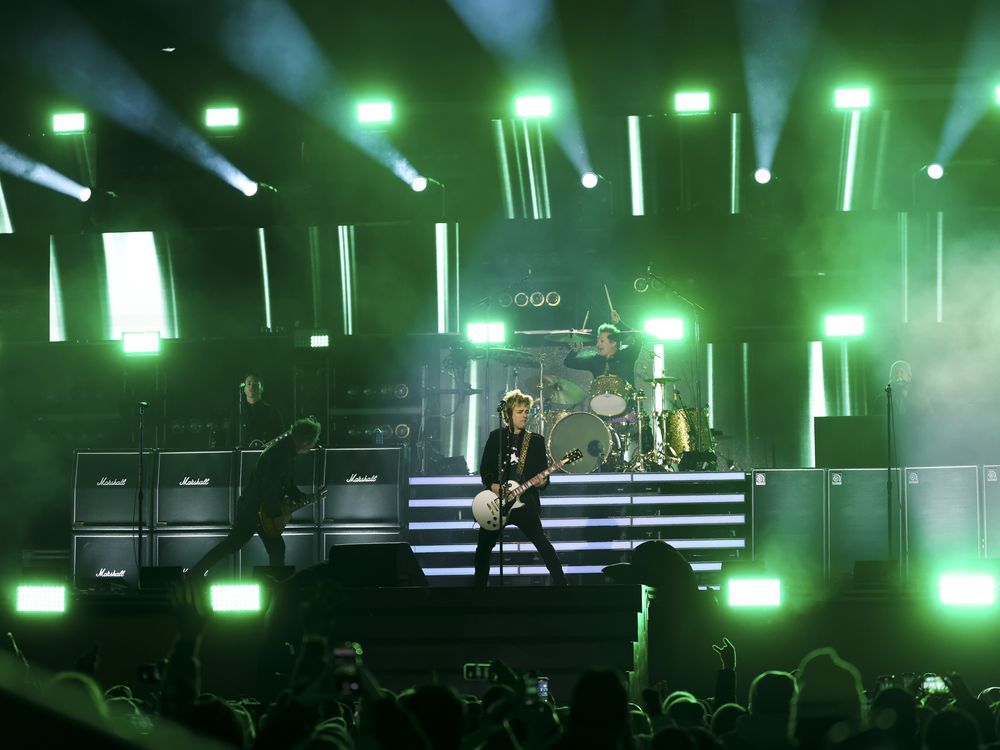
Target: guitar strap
[524,456]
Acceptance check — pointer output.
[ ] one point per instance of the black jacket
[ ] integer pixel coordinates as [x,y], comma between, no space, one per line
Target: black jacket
[535,463]
[273,478]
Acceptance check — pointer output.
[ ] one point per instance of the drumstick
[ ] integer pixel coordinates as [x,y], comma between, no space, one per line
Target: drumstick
[608,295]
[585,318]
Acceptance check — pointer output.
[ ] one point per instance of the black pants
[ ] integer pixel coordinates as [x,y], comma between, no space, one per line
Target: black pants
[527,520]
[247,524]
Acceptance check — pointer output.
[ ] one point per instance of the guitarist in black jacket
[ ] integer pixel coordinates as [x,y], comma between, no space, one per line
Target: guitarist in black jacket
[272,481]
[507,444]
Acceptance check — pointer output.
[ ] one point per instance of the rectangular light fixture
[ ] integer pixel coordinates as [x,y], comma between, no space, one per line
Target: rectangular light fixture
[690,102]
[375,112]
[34,598]
[241,597]
[222,117]
[665,329]
[69,122]
[967,590]
[859,98]
[998,94]
[533,106]
[844,326]
[754,592]
[141,342]
[486,333]
[319,341]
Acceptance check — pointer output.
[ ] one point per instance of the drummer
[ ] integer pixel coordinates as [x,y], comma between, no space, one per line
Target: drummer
[616,352]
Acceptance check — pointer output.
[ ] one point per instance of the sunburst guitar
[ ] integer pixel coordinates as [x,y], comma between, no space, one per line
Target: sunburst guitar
[486,506]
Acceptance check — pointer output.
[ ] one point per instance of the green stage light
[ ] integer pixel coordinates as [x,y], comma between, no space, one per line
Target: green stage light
[69,122]
[50,599]
[141,342]
[967,590]
[486,333]
[998,94]
[935,171]
[235,597]
[664,329]
[222,117]
[374,111]
[691,102]
[533,106]
[855,98]
[319,341]
[753,592]
[844,326]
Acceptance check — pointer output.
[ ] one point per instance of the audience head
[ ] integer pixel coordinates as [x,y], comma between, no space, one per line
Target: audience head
[725,717]
[951,729]
[772,693]
[828,706]
[599,708]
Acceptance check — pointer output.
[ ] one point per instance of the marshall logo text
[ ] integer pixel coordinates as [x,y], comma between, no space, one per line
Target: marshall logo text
[366,479]
[105,573]
[199,482]
[105,482]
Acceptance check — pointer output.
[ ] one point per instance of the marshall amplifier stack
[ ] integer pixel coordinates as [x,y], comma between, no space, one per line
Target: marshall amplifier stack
[190,500]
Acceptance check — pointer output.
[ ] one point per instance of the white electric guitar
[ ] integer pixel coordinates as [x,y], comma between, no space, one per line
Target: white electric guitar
[486,505]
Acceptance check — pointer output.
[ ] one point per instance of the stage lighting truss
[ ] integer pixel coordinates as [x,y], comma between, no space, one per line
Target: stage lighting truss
[532,299]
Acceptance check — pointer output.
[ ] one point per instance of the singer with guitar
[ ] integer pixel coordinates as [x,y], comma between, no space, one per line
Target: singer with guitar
[268,498]
[513,453]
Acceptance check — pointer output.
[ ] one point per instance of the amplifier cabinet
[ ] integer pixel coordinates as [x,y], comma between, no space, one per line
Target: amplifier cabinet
[859,511]
[105,558]
[365,487]
[105,489]
[194,489]
[991,511]
[789,524]
[301,550]
[184,549]
[307,468]
[943,517]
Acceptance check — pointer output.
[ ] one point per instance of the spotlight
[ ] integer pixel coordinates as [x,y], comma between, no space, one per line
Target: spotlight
[641,285]
[250,189]
[935,171]
[41,598]
[552,299]
[858,98]
[664,329]
[589,180]
[762,176]
[537,299]
[222,117]
[533,106]
[521,299]
[401,431]
[235,597]
[690,102]
[375,112]
[850,325]
[754,592]
[486,333]
[319,341]
[419,184]
[141,342]
[505,300]
[70,122]
[85,194]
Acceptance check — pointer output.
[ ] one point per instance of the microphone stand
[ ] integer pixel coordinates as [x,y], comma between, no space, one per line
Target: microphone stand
[695,310]
[239,418]
[888,469]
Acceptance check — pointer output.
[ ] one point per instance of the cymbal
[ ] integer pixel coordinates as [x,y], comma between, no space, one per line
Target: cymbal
[561,391]
[571,337]
[512,357]
[662,380]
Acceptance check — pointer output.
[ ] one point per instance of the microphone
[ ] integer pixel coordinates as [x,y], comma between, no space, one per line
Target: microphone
[242,386]
[143,404]
[500,407]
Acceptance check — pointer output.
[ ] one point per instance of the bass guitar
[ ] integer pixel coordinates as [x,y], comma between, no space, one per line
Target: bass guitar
[486,505]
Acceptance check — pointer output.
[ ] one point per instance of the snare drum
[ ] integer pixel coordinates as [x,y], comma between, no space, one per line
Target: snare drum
[586,432]
[609,395]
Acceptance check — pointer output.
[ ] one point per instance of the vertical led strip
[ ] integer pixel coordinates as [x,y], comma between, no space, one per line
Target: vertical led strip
[659,368]
[532,187]
[734,164]
[57,323]
[265,279]
[745,378]
[135,285]
[345,237]
[817,397]
[543,175]
[852,158]
[635,165]
[441,248]
[845,379]
[710,377]
[939,252]
[5,226]
[505,186]
[472,424]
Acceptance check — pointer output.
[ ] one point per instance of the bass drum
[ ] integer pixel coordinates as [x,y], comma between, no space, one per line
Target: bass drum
[586,432]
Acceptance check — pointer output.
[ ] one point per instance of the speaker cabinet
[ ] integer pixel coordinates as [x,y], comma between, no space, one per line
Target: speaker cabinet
[942,517]
[105,489]
[789,525]
[364,487]
[184,549]
[195,489]
[858,512]
[106,559]
[384,564]
[991,511]
[307,466]
[301,550]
